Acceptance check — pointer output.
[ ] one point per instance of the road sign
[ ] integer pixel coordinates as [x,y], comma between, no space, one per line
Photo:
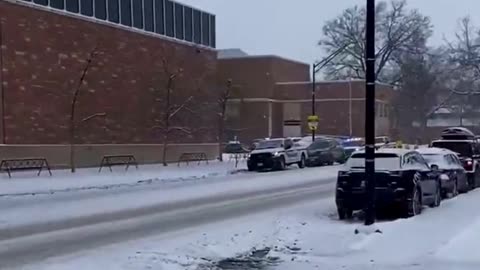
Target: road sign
[313,122]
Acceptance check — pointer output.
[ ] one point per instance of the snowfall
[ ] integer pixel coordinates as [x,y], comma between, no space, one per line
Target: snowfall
[303,236]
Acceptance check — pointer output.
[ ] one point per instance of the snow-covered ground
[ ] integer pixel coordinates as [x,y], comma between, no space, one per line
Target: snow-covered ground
[24,183]
[302,237]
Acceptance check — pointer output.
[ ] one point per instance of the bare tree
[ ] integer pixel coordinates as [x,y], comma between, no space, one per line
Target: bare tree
[170,108]
[399,31]
[222,103]
[73,107]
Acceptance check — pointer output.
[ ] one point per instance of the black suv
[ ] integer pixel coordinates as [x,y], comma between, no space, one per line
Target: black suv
[463,142]
[404,182]
[325,151]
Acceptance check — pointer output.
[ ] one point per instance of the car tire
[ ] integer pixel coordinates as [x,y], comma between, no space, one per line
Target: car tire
[437,200]
[344,213]
[454,192]
[414,203]
[251,168]
[281,164]
[302,162]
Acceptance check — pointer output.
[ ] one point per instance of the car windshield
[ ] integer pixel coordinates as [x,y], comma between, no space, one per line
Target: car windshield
[464,149]
[383,161]
[268,144]
[319,144]
[436,159]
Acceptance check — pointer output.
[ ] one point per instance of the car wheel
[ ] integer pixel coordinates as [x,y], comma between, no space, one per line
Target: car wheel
[251,168]
[281,164]
[301,164]
[438,197]
[344,213]
[414,203]
[454,192]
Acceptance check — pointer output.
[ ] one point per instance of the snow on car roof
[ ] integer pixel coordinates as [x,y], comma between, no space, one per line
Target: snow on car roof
[398,151]
[434,151]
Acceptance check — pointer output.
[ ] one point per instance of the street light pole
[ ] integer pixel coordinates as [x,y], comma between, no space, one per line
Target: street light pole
[370,114]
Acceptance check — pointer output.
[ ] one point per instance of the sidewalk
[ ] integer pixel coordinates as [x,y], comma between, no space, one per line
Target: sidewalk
[24,183]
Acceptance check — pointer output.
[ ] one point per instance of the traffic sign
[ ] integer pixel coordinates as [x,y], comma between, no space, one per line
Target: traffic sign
[312,122]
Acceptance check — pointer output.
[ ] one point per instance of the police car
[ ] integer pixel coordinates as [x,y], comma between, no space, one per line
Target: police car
[276,154]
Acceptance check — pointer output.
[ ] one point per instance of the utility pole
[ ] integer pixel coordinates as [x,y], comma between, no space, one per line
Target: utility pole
[370,114]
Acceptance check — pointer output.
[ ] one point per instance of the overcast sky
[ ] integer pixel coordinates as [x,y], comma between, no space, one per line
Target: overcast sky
[291,28]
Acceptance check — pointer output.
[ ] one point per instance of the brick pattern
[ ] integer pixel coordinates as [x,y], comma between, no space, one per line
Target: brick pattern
[43,57]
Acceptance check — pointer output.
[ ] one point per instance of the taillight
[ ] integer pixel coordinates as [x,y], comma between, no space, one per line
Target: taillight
[468,164]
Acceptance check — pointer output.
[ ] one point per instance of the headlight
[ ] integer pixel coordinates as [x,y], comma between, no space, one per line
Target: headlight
[276,154]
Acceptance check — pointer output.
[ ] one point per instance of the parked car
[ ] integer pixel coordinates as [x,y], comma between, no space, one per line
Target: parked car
[463,142]
[454,177]
[276,154]
[235,147]
[351,145]
[404,182]
[325,151]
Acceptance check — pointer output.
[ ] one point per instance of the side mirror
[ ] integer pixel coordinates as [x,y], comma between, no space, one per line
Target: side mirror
[434,167]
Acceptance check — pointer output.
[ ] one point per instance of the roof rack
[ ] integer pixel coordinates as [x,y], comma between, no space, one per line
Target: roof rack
[458,133]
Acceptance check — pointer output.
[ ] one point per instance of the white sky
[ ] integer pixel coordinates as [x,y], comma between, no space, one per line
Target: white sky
[291,28]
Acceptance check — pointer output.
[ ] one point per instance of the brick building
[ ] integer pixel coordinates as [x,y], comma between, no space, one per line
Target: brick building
[137,45]
[273,99]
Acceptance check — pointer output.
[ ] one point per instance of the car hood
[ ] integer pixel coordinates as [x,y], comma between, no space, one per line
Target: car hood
[269,150]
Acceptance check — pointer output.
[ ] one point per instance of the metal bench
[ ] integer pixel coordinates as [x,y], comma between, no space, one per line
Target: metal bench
[118,160]
[24,164]
[192,157]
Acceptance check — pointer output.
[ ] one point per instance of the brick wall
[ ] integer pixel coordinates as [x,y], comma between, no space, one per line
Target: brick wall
[43,57]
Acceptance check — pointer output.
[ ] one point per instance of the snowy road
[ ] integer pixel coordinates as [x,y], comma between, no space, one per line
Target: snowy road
[33,228]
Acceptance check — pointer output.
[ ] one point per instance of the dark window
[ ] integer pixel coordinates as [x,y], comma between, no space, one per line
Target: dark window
[58,4]
[113,11]
[126,12]
[179,33]
[213,32]
[86,7]
[41,2]
[205,29]
[319,144]
[27,0]
[197,26]
[72,6]
[137,14]
[159,17]
[464,149]
[188,24]
[148,12]
[170,26]
[101,9]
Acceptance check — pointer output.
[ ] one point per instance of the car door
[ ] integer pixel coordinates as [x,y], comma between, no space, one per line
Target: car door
[460,173]
[335,150]
[290,152]
[429,179]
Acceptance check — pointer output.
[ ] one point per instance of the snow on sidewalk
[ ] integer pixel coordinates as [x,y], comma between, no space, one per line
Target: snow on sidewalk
[304,237]
[23,183]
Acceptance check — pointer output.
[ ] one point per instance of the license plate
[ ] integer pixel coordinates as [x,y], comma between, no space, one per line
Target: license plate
[259,164]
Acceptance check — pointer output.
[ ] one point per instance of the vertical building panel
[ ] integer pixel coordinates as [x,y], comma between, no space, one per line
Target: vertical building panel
[179,23]
[101,9]
[188,12]
[126,12]
[72,6]
[113,11]
[138,14]
[160,17]
[148,13]
[169,23]
[86,7]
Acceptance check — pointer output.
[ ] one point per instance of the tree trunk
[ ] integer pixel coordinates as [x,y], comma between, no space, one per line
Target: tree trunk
[167,120]
[164,150]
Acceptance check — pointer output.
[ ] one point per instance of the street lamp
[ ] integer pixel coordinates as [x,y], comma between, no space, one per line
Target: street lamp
[316,67]
[370,114]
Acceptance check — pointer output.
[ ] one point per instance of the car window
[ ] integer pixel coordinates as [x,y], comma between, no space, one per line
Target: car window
[320,144]
[288,143]
[414,161]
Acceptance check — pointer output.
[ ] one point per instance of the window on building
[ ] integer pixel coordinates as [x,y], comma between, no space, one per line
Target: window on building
[126,12]
[213,31]
[148,13]
[197,26]
[188,12]
[205,28]
[113,11]
[137,14]
[72,6]
[160,16]
[86,7]
[169,23]
[101,9]
[58,4]
[41,2]
[179,32]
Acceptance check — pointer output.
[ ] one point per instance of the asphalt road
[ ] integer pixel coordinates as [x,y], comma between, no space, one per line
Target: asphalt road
[31,243]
